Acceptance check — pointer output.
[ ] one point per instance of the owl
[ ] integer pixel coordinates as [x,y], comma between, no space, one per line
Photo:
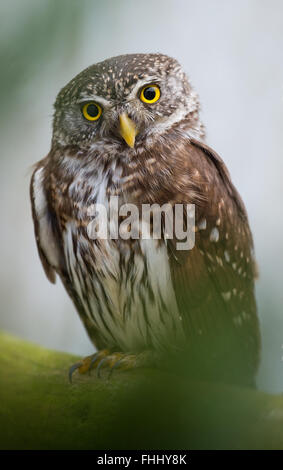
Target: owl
[128,128]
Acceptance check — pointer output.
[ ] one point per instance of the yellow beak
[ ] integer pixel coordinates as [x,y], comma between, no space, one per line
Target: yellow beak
[128,129]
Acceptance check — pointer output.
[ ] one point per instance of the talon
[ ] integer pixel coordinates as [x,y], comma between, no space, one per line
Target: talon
[115,366]
[73,368]
[93,361]
[111,361]
[98,374]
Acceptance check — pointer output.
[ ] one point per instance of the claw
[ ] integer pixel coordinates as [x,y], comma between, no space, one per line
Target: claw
[98,374]
[93,361]
[72,370]
[87,363]
[115,366]
[111,361]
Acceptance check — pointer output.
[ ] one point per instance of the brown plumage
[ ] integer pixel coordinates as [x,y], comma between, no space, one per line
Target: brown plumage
[135,295]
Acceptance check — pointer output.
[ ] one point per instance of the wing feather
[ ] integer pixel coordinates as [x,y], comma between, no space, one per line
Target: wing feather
[44,226]
[214,282]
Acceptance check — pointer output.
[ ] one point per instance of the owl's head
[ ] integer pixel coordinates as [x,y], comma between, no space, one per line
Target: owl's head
[127,100]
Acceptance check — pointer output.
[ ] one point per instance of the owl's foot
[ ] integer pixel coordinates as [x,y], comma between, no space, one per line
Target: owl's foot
[111,361]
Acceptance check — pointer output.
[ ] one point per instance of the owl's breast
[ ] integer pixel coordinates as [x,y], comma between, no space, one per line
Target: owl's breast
[125,290]
[123,287]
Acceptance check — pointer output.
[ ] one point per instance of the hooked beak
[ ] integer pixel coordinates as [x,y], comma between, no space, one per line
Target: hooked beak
[128,129]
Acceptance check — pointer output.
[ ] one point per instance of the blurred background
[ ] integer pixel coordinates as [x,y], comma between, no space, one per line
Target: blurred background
[232,52]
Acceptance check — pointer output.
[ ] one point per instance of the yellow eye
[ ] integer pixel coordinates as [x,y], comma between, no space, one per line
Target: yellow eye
[92,111]
[150,94]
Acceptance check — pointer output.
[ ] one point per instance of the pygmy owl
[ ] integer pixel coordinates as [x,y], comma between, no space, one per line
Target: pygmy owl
[129,127]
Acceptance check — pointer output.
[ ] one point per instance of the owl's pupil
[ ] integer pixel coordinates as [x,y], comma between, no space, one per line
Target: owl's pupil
[149,93]
[92,110]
